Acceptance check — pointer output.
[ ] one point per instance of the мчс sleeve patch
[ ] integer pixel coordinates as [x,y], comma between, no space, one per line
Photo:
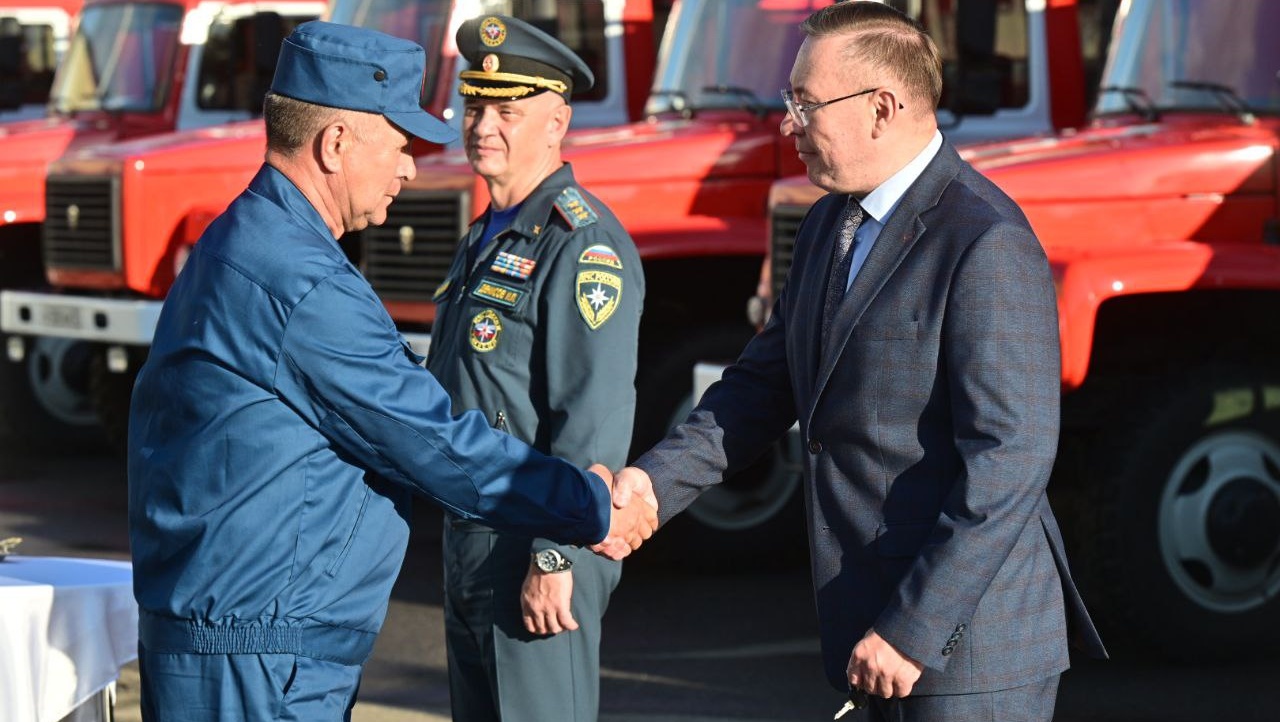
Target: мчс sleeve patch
[598,294]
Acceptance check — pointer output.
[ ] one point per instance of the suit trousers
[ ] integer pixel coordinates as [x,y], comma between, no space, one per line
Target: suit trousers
[245,688]
[1029,703]
[498,670]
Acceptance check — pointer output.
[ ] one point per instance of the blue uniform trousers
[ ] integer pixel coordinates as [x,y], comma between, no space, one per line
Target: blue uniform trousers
[248,687]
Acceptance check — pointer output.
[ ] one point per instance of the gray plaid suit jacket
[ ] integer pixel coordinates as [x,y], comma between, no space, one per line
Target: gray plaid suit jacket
[930,421]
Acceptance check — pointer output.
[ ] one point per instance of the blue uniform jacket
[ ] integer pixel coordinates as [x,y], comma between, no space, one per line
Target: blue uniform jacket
[275,432]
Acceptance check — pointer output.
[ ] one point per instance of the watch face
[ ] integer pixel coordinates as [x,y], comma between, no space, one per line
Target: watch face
[548,560]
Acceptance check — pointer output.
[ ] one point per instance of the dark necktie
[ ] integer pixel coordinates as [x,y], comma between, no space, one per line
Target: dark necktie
[841,262]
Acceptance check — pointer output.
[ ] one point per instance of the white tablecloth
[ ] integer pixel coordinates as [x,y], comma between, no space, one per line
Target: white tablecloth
[66,628]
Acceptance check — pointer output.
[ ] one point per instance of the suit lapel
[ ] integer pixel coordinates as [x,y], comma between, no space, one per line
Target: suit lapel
[895,241]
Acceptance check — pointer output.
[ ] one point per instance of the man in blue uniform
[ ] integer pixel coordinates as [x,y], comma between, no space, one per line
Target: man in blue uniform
[281,421]
[537,325]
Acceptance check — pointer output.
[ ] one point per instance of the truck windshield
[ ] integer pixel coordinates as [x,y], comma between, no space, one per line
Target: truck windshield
[1193,55]
[711,54]
[423,21]
[121,59]
[239,58]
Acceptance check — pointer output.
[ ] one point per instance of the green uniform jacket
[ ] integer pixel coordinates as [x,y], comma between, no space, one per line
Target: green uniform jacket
[541,332]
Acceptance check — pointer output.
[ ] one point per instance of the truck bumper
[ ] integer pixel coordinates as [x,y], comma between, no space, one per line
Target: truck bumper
[101,320]
[104,320]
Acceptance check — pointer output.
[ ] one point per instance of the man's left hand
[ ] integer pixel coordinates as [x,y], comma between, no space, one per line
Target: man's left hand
[545,600]
[876,667]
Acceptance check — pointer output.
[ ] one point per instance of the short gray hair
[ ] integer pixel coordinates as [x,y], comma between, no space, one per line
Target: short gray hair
[291,124]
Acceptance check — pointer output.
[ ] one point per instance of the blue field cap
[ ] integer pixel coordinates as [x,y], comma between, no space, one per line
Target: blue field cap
[341,66]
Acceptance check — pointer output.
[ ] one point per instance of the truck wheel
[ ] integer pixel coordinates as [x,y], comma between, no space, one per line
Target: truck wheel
[111,393]
[753,519]
[1187,543]
[43,400]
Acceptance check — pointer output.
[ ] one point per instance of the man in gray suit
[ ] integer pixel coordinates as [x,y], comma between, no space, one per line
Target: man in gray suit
[916,343]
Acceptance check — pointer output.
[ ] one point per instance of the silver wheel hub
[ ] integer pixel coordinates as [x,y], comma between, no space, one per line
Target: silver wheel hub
[47,374]
[1219,522]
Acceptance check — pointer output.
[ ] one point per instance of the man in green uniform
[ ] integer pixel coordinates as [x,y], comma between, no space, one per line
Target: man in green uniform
[537,325]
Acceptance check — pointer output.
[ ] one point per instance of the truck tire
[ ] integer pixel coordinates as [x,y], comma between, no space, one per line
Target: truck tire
[110,393]
[43,401]
[752,520]
[1185,545]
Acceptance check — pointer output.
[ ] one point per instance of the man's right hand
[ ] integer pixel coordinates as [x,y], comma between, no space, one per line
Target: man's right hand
[635,512]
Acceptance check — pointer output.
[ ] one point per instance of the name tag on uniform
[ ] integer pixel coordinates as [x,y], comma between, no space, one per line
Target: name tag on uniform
[497,293]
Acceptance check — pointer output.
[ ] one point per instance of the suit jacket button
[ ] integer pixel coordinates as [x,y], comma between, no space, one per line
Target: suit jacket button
[946,651]
[815,446]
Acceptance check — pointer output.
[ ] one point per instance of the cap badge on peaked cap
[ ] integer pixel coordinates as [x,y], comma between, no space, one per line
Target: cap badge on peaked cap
[492,32]
[531,60]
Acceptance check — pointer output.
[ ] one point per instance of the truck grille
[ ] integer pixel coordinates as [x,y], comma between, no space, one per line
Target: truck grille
[784,225]
[407,257]
[81,226]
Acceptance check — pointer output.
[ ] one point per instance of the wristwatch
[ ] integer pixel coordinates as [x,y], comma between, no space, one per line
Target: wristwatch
[551,561]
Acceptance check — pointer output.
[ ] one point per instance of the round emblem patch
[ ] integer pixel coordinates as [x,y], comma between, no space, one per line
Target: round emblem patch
[490,63]
[485,329]
[492,32]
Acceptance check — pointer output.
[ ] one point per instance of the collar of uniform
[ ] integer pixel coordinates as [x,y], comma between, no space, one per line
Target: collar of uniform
[277,188]
[540,204]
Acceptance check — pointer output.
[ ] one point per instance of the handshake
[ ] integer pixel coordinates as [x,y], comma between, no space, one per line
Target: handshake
[635,511]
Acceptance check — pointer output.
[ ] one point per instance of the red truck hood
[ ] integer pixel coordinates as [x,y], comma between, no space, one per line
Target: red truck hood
[1197,177]
[27,148]
[711,144]
[675,184]
[1188,155]
[190,150]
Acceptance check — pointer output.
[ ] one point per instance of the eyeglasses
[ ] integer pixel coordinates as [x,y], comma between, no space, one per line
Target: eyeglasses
[799,112]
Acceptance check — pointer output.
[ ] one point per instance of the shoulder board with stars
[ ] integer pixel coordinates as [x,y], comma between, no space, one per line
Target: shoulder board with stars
[573,207]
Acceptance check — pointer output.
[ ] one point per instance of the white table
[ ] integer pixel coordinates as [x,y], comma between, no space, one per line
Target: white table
[67,626]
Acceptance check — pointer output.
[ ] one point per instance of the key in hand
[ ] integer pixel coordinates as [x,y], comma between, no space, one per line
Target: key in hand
[857,700]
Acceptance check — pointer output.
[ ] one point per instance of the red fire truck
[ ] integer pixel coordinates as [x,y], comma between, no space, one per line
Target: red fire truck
[132,69]
[118,232]
[33,36]
[1161,221]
